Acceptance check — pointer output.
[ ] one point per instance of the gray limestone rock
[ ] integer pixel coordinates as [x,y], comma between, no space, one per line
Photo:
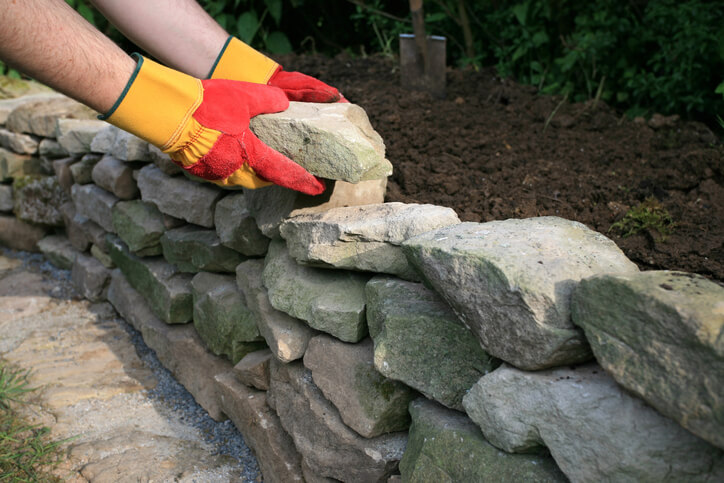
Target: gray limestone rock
[332,301]
[166,291]
[412,326]
[193,249]
[103,257]
[19,235]
[40,116]
[163,161]
[659,334]
[82,171]
[367,401]
[18,143]
[222,320]
[103,141]
[363,237]
[140,225]
[115,176]
[120,144]
[179,348]
[73,226]
[328,447]
[61,167]
[13,165]
[274,449]
[178,196]
[594,429]
[9,105]
[50,148]
[253,369]
[270,206]
[90,277]
[6,198]
[333,141]
[59,250]
[286,336]
[511,281]
[76,135]
[37,200]
[237,228]
[446,446]
[94,203]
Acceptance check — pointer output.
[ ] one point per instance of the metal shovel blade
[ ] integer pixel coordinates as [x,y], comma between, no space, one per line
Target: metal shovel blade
[414,74]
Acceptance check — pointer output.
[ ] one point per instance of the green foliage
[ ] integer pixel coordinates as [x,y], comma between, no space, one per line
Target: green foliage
[646,216]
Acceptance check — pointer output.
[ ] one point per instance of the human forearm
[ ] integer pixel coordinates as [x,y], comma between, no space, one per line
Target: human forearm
[50,42]
[177,32]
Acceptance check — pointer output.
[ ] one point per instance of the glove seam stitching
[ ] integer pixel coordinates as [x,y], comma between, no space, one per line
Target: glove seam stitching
[189,112]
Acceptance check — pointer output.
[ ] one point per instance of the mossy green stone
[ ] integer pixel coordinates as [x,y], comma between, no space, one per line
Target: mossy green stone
[194,249]
[446,446]
[140,225]
[421,342]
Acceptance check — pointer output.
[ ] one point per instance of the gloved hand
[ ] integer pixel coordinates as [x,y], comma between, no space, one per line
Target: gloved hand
[204,127]
[238,61]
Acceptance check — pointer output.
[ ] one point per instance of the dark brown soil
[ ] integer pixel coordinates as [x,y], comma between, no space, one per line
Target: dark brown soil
[495,149]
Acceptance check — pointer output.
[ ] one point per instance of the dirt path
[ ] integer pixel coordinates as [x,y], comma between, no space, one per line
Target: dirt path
[129,418]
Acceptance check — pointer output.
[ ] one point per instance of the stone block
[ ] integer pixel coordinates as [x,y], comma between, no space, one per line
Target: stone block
[115,176]
[103,257]
[90,277]
[50,148]
[286,336]
[193,249]
[593,428]
[659,334]
[274,449]
[332,301]
[367,402]
[237,228]
[140,225]
[9,105]
[166,291]
[38,199]
[61,167]
[179,348]
[73,227]
[511,282]
[328,447]
[411,326]
[40,115]
[363,237]
[120,144]
[163,161]
[253,369]
[222,320]
[82,171]
[6,198]
[333,141]
[445,445]
[19,235]
[178,196]
[76,135]
[13,165]
[95,203]
[58,250]
[17,142]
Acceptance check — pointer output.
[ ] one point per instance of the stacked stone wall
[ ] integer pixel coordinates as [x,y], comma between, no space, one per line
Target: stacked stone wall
[354,340]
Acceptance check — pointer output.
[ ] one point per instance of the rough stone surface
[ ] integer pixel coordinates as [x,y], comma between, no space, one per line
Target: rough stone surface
[9,105]
[59,250]
[41,115]
[411,327]
[179,348]
[511,281]
[446,446]
[247,408]
[367,401]
[594,429]
[237,228]
[76,135]
[36,200]
[19,143]
[6,198]
[167,291]
[222,320]
[61,168]
[332,301]
[333,141]
[193,249]
[13,165]
[363,237]
[140,225]
[270,206]
[659,334]
[90,277]
[253,369]
[328,447]
[115,176]
[50,148]
[20,235]
[95,203]
[120,144]
[82,171]
[163,161]
[72,221]
[180,197]
[103,257]
[286,336]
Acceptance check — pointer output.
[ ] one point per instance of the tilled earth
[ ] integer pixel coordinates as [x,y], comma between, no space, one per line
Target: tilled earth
[495,149]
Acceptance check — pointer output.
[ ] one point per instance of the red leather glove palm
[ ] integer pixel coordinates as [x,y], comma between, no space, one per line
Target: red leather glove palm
[303,88]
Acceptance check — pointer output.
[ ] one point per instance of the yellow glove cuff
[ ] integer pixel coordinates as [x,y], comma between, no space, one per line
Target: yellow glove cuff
[237,61]
[157,104]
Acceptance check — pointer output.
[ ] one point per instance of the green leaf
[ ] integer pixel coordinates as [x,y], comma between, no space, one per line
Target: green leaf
[521,12]
[540,38]
[247,26]
[278,43]
[86,13]
[275,9]
[720,89]
[435,17]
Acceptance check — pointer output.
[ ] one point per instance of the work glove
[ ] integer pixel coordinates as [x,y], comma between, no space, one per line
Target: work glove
[238,61]
[204,126]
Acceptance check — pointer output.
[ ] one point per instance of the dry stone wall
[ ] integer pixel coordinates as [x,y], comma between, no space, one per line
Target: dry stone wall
[354,340]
